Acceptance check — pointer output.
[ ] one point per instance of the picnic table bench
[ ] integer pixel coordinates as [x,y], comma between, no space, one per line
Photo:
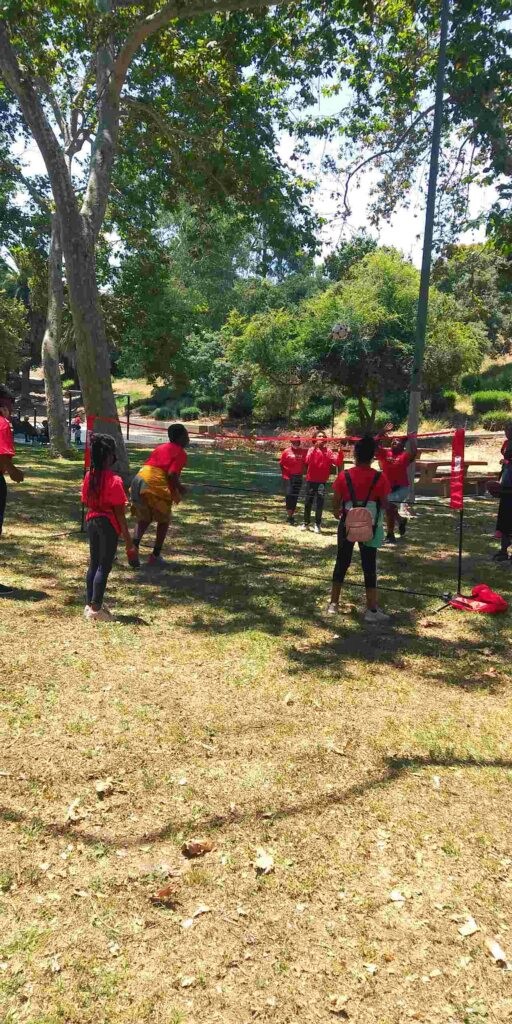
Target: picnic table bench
[427,469]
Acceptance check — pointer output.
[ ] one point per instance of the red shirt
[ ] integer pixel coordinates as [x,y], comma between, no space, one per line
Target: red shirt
[111,495]
[340,459]
[170,457]
[361,477]
[395,466]
[319,462]
[6,438]
[293,462]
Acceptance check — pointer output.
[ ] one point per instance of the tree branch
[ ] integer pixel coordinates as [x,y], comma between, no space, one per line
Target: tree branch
[173,11]
[23,87]
[46,88]
[382,152]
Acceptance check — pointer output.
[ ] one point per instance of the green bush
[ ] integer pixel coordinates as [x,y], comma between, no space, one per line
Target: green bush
[145,409]
[164,413]
[470,382]
[353,423]
[489,401]
[443,403]
[190,412]
[397,404]
[496,420]
[160,396]
[316,415]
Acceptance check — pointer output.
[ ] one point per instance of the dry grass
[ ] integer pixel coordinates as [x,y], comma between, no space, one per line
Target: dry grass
[223,705]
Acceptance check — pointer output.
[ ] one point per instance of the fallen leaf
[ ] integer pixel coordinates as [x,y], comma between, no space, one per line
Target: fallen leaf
[165,895]
[396,896]
[468,927]
[490,673]
[289,698]
[104,787]
[55,965]
[337,1006]
[73,814]
[188,981]
[197,848]
[263,862]
[371,968]
[341,751]
[436,781]
[114,949]
[427,623]
[498,954]
[183,782]
[187,922]
[201,909]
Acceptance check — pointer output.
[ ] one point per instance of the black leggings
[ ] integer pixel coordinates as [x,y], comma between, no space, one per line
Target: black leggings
[103,541]
[344,558]
[292,491]
[313,491]
[3,499]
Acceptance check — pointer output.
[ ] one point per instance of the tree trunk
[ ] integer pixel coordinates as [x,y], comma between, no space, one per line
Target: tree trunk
[50,347]
[92,351]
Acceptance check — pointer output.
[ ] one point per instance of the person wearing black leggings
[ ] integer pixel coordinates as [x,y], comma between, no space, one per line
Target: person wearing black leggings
[292,462]
[7,454]
[371,489]
[104,494]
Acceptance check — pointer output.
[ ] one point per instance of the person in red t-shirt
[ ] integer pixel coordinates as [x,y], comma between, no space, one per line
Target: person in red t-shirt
[320,461]
[507,442]
[372,488]
[293,464]
[104,495]
[7,453]
[395,462]
[157,487]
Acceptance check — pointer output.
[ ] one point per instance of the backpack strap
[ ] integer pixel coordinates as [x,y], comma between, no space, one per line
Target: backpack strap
[372,485]
[350,488]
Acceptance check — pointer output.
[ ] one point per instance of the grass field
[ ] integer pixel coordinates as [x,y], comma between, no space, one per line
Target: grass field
[223,705]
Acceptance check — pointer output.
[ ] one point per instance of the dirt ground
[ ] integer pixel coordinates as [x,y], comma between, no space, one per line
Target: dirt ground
[369,770]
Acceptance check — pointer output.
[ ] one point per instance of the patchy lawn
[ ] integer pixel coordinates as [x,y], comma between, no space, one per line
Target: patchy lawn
[223,705]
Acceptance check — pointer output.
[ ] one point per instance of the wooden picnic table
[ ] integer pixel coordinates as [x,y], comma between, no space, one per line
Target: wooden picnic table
[427,469]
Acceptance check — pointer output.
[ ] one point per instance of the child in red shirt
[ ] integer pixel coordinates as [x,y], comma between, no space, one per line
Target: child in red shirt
[394,463]
[157,487]
[104,495]
[320,461]
[293,464]
[7,453]
[371,488]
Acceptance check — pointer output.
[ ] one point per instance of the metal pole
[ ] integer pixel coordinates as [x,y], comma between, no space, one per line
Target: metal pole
[422,314]
[128,409]
[461,525]
[35,417]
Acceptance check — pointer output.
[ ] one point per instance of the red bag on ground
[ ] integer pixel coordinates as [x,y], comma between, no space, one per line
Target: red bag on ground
[483,600]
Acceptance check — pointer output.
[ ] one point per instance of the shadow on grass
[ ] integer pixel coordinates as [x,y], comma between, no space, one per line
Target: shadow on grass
[20,594]
[394,768]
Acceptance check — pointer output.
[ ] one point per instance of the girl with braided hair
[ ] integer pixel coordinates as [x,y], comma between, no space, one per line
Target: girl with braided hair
[104,495]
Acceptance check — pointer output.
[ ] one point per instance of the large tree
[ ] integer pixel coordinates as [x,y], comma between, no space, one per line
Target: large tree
[80,73]
[384,83]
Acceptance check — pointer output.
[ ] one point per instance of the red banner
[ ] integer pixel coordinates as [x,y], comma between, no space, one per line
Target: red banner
[457,474]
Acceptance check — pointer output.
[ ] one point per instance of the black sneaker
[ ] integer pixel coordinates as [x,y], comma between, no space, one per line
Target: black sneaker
[389,539]
[402,526]
[5,591]
[291,520]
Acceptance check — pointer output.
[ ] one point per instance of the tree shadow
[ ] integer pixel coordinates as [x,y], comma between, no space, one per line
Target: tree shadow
[394,768]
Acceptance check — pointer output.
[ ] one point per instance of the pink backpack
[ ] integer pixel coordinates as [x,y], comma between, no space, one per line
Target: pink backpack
[359,524]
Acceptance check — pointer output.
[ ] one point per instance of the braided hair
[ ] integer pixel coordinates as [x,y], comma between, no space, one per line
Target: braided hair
[103,454]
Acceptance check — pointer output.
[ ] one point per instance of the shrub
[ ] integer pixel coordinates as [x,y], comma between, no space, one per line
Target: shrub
[496,420]
[470,382]
[160,396]
[489,401]
[145,409]
[443,403]
[316,415]
[397,404]
[190,412]
[353,423]
[164,413]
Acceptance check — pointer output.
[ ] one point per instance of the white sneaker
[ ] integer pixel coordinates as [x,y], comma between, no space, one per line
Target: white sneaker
[317,528]
[103,615]
[305,526]
[86,611]
[333,608]
[375,616]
